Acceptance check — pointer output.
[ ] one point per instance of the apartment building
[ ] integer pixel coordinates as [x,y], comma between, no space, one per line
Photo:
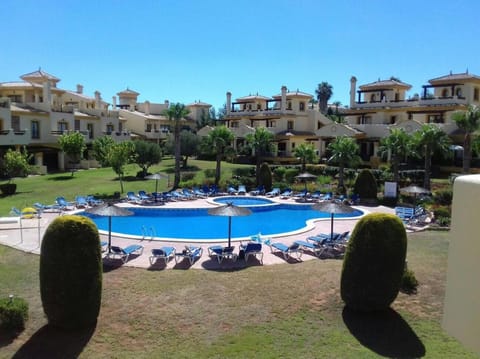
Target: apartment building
[287,115]
[377,107]
[34,112]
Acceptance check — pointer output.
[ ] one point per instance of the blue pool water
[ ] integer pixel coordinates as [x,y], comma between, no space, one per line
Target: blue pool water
[243,201]
[197,224]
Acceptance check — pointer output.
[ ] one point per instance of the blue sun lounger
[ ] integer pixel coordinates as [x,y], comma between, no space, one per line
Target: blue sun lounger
[222,253]
[287,251]
[316,248]
[252,249]
[164,253]
[191,253]
[124,253]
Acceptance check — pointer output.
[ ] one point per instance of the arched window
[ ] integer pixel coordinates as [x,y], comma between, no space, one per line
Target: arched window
[301,106]
[373,98]
[259,107]
[458,92]
[445,93]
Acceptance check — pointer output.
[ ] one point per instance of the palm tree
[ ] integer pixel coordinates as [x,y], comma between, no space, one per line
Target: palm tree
[306,153]
[396,146]
[344,152]
[468,121]
[324,91]
[219,142]
[175,113]
[261,142]
[337,104]
[430,138]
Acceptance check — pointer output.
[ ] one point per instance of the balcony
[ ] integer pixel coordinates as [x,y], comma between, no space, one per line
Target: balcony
[118,136]
[156,134]
[259,113]
[373,130]
[12,138]
[414,102]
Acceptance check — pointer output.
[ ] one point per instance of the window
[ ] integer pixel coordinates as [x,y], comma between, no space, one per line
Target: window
[110,128]
[393,119]
[458,92]
[149,127]
[62,126]
[15,98]
[234,124]
[445,93]
[16,123]
[272,123]
[259,107]
[373,98]
[76,125]
[397,97]
[90,130]
[289,125]
[301,106]
[293,146]
[437,118]
[475,94]
[35,130]
[289,105]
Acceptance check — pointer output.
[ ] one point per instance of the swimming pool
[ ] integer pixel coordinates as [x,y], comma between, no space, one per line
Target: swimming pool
[187,224]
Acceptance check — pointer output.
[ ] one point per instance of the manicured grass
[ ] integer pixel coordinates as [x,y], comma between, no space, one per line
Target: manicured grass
[102,182]
[287,311]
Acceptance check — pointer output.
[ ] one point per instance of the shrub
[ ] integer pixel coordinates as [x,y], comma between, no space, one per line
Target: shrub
[441,211]
[13,313]
[187,176]
[444,197]
[209,173]
[365,185]
[244,171]
[71,272]
[265,176]
[374,262]
[290,174]
[409,283]
[279,173]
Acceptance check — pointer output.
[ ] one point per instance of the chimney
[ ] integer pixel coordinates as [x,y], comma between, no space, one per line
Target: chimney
[80,89]
[229,103]
[114,102]
[147,108]
[98,99]
[283,104]
[353,87]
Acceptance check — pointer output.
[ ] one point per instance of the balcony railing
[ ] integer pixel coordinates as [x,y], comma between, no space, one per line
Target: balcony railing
[424,101]
[14,137]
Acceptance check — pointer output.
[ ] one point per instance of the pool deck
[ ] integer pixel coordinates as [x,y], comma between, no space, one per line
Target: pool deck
[27,234]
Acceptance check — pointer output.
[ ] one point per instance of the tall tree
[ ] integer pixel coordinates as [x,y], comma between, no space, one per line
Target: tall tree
[147,155]
[73,144]
[307,154]
[119,155]
[261,143]
[468,121]
[189,145]
[324,91]
[101,146]
[176,112]
[396,147]
[218,142]
[430,139]
[344,152]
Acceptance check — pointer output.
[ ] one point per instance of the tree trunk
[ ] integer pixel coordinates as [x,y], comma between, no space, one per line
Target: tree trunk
[340,174]
[217,169]
[396,176]
[184,162]
[176,180]
[428,165]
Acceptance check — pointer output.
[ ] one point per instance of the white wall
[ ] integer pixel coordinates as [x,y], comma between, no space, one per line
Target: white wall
[461,317]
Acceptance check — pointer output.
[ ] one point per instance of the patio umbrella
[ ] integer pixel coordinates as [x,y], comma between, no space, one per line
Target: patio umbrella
[229,210]
[415,191]
[304,177]
[109,210]
[333,208]
[156,177]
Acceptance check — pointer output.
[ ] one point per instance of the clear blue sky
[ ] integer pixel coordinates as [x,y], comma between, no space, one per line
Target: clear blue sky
[198,50]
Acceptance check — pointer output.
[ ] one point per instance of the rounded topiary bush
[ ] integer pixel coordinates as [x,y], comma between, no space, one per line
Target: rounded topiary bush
[265,177]
[71,272]
[374,262]
[365,185]
[13,313]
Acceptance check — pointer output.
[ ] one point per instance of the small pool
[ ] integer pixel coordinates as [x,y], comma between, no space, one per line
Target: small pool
[243,201]
[190,224]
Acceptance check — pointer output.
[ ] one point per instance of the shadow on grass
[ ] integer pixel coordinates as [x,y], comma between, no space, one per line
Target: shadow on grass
[51,342]
[61,178]
[385,333]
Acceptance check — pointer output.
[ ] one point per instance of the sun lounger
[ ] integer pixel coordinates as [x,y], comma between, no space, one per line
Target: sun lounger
[316,248]
[222,253]
[191,253]
[274,192]
[252,249]
[242,190]
[287,251]
[231,190]
[286,194]
[164,253]
[124,253]
[63,204]
[258,191]
[144,196]
[133,198]
[81,202]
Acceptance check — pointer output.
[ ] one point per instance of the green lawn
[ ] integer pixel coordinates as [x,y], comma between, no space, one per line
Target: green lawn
[277,311]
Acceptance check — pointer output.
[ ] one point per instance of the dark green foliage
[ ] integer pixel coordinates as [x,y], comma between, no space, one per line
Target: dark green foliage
[409,282]
[265,176]
[187,176]
[13,313]
[244,171]
[71,272]
[279,173]
[444,197]
[441,211]
[374,262]
[147,154]
[365,185]
[209,173]
[290,174]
